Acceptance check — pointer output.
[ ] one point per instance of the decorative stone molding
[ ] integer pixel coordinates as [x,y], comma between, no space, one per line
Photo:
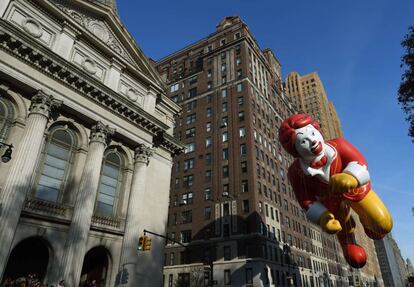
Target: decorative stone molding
[32,27]
[45,207]
[132,94]
[143,153]
[101,133]
[97,28]
[70,75]
[89,66]
[43,104]
[106,221]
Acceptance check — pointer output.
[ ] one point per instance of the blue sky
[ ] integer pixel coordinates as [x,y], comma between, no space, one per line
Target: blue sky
[353,45]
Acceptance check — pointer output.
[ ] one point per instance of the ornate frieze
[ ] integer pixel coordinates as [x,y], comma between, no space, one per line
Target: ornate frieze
[143,153]
[101,133]
[97,28]
[71,76]
[43,104]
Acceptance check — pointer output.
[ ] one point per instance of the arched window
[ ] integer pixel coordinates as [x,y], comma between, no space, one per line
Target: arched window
[57,159]
[110,182]
[6,117]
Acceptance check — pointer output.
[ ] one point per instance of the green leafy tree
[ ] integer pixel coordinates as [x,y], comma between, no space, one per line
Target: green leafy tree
[406,90]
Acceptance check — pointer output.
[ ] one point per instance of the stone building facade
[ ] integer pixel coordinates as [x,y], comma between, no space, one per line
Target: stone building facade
[91,128]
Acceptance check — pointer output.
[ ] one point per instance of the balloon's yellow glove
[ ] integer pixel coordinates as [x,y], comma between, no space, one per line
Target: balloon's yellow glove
[342,182]
[329,224]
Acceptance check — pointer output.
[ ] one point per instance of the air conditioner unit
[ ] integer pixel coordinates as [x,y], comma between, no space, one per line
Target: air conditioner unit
[225,194]
[183,202]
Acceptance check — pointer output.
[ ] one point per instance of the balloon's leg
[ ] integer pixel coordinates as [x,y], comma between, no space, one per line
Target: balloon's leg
[373,215]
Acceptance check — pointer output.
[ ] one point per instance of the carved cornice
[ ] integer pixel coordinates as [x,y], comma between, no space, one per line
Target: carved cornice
[101,133]
[43,104]
[143,153]
[40,58]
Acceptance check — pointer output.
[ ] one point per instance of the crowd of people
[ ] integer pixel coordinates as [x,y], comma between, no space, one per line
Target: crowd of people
[32,280]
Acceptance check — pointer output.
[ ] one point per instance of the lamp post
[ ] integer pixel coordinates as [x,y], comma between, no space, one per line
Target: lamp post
[6,157]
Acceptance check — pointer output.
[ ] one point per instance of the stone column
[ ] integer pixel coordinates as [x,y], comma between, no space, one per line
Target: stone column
[133,226]
[84,207]
[22,169]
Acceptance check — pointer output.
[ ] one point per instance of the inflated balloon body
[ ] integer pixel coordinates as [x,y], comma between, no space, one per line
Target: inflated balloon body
[329,179]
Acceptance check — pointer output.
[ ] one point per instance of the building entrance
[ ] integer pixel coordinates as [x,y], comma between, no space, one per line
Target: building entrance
[95,267]
[30,256]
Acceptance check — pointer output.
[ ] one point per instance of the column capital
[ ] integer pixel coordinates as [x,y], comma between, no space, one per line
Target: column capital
[143,153]
[43,104]
[101,133]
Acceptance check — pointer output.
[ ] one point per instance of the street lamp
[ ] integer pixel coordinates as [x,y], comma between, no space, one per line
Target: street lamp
[7,154]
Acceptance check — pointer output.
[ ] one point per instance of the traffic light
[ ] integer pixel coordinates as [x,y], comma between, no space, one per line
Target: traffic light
[147,243]
[141,243]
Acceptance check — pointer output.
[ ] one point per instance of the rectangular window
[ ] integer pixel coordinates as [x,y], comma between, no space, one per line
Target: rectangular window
[208,158]
[170,280]
[227,277]
[175,87]
[209,112]
[208,127]
[243,165]
[240,100]
[249,276]
[225,154]
[224,93]
[188,164]
[226,253]
[239,73]
[224,79]
[207,194]
[241,116]
[192,80]
[192,93]
[187,216]
[243,149]
[189,133]
[239,87]
[245,186]
[187,198]
[172,261]
[242,132]
[224,107]
[225,137]
[207,213]
[191,105]
[190,147]
[208,142]
[191,119]
[188,180]
[246,207]
[185,236]
[225,171]
[208,175]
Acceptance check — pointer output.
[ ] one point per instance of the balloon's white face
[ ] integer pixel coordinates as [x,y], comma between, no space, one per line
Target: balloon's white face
[309,142]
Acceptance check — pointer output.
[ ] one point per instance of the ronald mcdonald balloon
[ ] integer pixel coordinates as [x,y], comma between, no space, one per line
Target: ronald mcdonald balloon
[329,179]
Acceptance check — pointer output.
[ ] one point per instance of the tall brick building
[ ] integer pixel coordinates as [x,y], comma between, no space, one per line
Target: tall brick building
[231,206]
[308,94]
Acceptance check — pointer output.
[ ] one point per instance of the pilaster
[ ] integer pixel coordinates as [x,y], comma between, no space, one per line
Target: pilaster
[84,207]
[134,225]
[22,170]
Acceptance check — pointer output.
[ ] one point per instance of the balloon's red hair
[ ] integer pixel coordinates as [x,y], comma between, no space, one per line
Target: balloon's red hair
[287,136]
